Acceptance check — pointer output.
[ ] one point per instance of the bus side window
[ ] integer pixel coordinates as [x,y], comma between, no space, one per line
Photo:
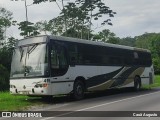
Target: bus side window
[62,57]
[54,58]
[73,53]
[59,64]
[58,57]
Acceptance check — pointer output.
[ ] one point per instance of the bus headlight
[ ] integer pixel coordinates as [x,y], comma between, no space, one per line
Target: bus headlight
[44,85]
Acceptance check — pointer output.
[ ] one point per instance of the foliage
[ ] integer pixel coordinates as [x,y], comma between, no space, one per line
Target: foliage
[155,49]
[94,9]
[39,1]
[144,41]
[4,78]
[6,45]
[53,26]
[82,14]
[106,36]
[28,29]
[151,41]
[5,63]
[113,40]
[76,18]
[156,64]
[5,21]
[5,58]
[128,41]
[10,44]
[44,26]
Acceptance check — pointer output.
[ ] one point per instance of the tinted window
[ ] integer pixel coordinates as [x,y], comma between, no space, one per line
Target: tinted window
[90,54]
[144,59]
[59,64]
[87,54]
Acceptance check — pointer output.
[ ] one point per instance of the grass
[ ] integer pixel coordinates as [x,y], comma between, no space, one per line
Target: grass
[155,84]
[10,102]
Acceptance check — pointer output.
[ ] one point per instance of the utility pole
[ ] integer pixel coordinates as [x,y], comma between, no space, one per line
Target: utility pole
[26,11]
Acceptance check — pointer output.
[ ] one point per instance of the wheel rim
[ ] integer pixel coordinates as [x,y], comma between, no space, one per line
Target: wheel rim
[79,90]
[138,86]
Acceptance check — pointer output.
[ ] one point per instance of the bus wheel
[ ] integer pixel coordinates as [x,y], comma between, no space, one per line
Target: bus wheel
[78,90]
[137,83]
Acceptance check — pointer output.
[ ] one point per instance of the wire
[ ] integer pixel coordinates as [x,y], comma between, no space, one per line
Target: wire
[58,6]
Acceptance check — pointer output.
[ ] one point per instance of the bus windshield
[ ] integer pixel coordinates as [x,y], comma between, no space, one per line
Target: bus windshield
[29,61]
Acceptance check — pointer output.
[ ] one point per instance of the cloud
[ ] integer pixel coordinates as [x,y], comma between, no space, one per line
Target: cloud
[134,17]
[38,12]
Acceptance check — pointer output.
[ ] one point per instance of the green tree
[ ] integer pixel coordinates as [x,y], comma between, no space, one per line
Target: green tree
[106,36]
[94,10]
[5,22]
[155,49]
[4,78]
[10,44]
[54,26]
[144,41]
[77,17]
[28,29]
[128,41]
[6,45]
[39,1]
[82,14]
[156,64]
[151,41]
[113,40]
[43,26]
[62,1]
[5,62]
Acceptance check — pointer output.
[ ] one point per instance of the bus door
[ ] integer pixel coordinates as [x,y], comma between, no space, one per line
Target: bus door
[59,62]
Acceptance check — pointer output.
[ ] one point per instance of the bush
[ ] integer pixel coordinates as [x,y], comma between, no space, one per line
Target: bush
[4,78]
[156,65]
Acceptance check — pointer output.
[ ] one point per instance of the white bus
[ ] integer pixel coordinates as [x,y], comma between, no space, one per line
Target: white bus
[52,65]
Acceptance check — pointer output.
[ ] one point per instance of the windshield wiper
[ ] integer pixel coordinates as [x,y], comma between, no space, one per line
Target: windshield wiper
[21,51]
[32,49]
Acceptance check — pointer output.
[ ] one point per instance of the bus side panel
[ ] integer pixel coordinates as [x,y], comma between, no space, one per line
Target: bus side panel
[95,76]
[147,76]
[105,79]
[27,87]
[123,78]
[62,88]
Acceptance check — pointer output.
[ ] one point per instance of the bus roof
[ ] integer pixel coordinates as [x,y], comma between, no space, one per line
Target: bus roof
[77,40]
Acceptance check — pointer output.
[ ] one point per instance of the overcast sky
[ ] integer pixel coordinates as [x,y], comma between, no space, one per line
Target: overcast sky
[134,17]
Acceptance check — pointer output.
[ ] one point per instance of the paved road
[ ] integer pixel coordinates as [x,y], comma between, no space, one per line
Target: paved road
[112,100]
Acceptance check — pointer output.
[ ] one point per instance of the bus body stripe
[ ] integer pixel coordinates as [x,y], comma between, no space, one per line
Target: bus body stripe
[99,79]
[124,77]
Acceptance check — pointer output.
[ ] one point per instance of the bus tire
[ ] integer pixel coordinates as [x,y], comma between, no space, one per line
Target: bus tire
[47,98]
[137,83]
[78,90]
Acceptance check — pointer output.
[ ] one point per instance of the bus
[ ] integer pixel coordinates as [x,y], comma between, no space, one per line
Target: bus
[51,65]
